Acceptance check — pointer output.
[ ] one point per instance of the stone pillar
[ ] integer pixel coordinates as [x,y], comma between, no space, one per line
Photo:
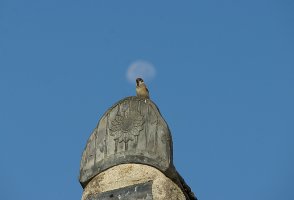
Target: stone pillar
[129,156]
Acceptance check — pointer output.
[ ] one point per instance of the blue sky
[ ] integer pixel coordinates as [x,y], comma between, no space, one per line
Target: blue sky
[224,83]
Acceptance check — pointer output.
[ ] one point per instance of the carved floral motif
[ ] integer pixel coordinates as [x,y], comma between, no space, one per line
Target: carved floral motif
[128,127]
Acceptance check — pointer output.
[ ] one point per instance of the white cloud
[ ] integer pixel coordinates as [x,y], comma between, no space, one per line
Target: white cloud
[142,69]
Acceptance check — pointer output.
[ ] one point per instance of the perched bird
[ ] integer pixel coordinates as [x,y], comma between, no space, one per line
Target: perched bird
[141,89]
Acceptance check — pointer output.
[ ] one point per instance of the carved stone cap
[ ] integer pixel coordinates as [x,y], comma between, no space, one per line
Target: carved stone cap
[131,131]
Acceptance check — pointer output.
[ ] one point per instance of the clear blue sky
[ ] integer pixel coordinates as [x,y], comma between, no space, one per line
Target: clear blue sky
[224,84]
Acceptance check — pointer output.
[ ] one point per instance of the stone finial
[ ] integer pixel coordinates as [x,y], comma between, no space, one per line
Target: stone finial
[131,131]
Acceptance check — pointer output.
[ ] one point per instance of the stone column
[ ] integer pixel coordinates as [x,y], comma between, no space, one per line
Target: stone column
[129,156]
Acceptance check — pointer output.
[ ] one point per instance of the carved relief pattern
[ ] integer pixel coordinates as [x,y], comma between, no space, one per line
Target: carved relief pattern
[126,128]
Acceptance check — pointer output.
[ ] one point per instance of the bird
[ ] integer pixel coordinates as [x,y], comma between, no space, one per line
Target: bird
[141,89]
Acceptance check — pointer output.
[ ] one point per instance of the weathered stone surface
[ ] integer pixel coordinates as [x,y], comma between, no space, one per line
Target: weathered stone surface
[141,191]
[126,175]
[132,131]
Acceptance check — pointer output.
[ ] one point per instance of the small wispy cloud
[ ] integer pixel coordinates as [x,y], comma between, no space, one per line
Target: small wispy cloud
[142,69]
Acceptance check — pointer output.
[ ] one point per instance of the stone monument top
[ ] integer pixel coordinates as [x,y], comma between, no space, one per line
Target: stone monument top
[131,131]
